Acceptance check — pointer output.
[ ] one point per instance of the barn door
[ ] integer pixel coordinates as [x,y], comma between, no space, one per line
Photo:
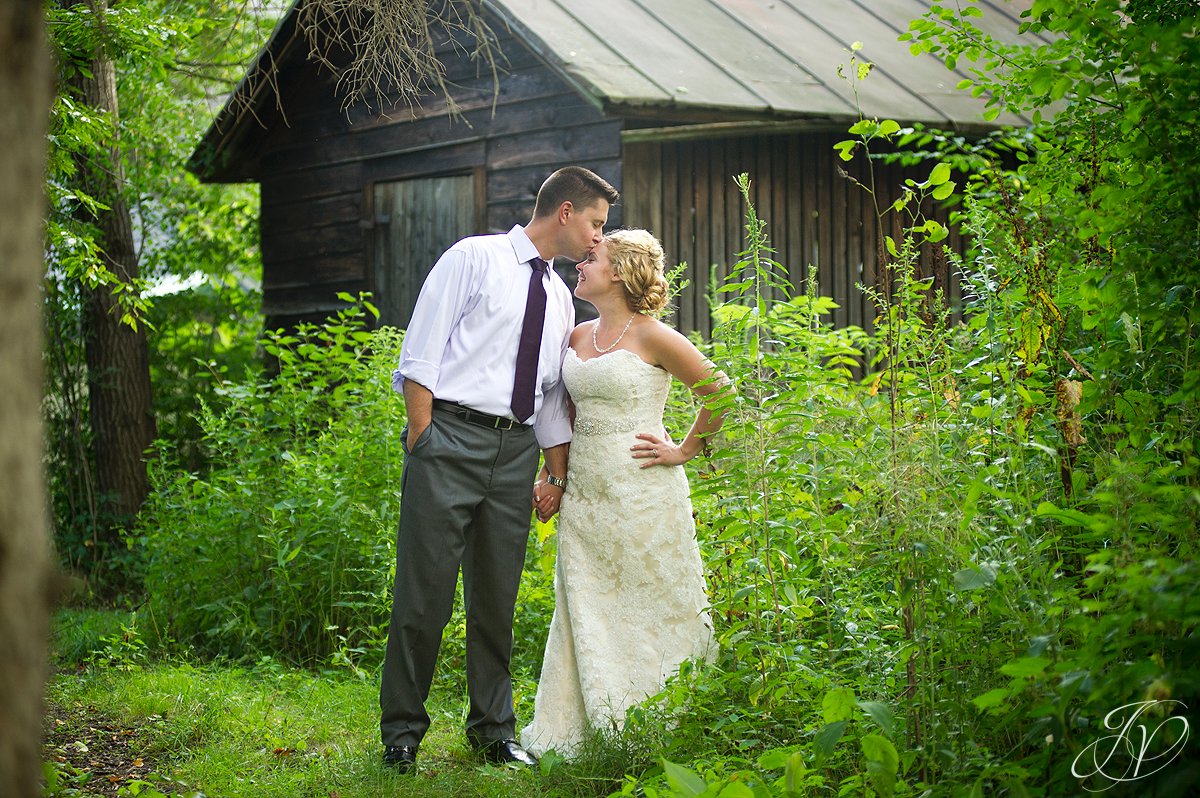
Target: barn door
[415,222]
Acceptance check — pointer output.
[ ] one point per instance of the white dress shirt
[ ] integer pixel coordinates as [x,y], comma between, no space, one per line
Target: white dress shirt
[462,340]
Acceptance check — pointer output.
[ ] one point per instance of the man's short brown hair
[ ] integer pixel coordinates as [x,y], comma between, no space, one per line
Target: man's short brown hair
[581,187]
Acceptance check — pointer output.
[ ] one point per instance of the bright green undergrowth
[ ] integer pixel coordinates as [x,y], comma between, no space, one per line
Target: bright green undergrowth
[267,729]
[273,731]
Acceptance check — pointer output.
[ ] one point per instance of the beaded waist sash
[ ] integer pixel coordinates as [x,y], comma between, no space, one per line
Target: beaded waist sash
[608,426]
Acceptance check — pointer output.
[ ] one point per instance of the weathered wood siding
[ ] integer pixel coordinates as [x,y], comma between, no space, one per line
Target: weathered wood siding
[818,221]
[415,221]
[319,170]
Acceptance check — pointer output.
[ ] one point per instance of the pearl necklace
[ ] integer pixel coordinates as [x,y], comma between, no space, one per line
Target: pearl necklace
[610,347]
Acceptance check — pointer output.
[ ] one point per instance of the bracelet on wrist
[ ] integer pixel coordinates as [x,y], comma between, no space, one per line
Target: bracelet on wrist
[556,481]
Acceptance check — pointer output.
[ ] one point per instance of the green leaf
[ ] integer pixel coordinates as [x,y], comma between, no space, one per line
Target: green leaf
[794,773]
[774,759]
[880,713]
[939,175]
[935,231]
[736,789]
[1025,667]
[882,762]
[682,780]
[838,704]
[1063,515]
[877,748]
[889,127]
[990,699]
[827,738]
[944,190]
[1016,785]
[1060,88]
[974,578]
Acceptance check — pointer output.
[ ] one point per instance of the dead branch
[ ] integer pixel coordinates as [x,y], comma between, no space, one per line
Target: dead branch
[393,45]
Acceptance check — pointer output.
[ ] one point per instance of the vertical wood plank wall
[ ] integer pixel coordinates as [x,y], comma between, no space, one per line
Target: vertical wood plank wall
[818,222]
[416,220]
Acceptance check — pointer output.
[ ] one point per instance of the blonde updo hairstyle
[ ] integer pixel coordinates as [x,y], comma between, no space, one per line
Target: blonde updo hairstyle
[637,258]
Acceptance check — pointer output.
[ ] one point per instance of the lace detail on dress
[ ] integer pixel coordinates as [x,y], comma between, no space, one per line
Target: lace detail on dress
[629,583]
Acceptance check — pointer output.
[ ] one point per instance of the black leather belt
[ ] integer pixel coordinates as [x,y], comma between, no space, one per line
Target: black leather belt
[475,417]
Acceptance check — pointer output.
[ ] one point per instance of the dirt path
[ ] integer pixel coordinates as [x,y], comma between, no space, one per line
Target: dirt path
[96,755]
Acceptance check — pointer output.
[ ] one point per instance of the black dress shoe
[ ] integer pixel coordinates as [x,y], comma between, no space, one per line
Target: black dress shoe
[502,752]
[401,758]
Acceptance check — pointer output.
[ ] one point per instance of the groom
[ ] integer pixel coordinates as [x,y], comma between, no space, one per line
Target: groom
[480,370]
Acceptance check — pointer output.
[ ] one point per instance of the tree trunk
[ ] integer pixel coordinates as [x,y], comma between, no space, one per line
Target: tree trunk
[25,571]
[117,354]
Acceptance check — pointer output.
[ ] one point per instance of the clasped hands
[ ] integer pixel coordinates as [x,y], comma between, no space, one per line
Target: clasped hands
[546,498]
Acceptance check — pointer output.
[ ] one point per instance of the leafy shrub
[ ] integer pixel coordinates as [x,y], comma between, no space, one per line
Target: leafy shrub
[286,545]
[883,553]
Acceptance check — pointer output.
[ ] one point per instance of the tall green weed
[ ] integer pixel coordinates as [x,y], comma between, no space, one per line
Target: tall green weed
[940,577]
[285,546]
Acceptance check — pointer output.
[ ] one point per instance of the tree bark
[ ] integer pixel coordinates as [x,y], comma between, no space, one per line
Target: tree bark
[25,570]
[118,360]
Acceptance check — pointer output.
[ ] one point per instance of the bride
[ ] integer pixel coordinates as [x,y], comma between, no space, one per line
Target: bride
[629,592]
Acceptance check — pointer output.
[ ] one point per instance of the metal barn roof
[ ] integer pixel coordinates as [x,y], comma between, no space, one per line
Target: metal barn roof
[696,61]
[774,58]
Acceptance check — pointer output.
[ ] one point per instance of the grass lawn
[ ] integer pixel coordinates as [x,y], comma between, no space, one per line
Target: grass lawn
[184,728]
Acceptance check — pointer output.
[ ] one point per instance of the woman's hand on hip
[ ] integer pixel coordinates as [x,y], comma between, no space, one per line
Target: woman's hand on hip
[654,451]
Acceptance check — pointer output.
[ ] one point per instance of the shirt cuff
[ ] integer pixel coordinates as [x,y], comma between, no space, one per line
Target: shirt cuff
[552,431]
[421,372]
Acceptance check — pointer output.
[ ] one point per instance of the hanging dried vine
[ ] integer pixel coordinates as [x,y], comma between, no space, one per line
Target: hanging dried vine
[393,46]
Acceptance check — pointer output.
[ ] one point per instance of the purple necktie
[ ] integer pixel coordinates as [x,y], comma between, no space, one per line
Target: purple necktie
[525,375]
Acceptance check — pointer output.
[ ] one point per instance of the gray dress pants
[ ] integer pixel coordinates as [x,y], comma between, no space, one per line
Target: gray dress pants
[465,501]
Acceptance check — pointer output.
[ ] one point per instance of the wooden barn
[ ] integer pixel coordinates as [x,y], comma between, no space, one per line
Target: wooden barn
[667,99]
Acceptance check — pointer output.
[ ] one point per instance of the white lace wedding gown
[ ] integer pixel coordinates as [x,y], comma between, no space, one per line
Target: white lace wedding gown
[629,583]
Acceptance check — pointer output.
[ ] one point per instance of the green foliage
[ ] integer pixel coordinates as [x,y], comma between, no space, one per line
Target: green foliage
[274,732]
[285,546]
[183,230]
[882,552]
[204,336]
[79,633]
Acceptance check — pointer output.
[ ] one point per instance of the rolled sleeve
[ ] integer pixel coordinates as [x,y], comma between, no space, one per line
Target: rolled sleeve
[553,423]
[421,372]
